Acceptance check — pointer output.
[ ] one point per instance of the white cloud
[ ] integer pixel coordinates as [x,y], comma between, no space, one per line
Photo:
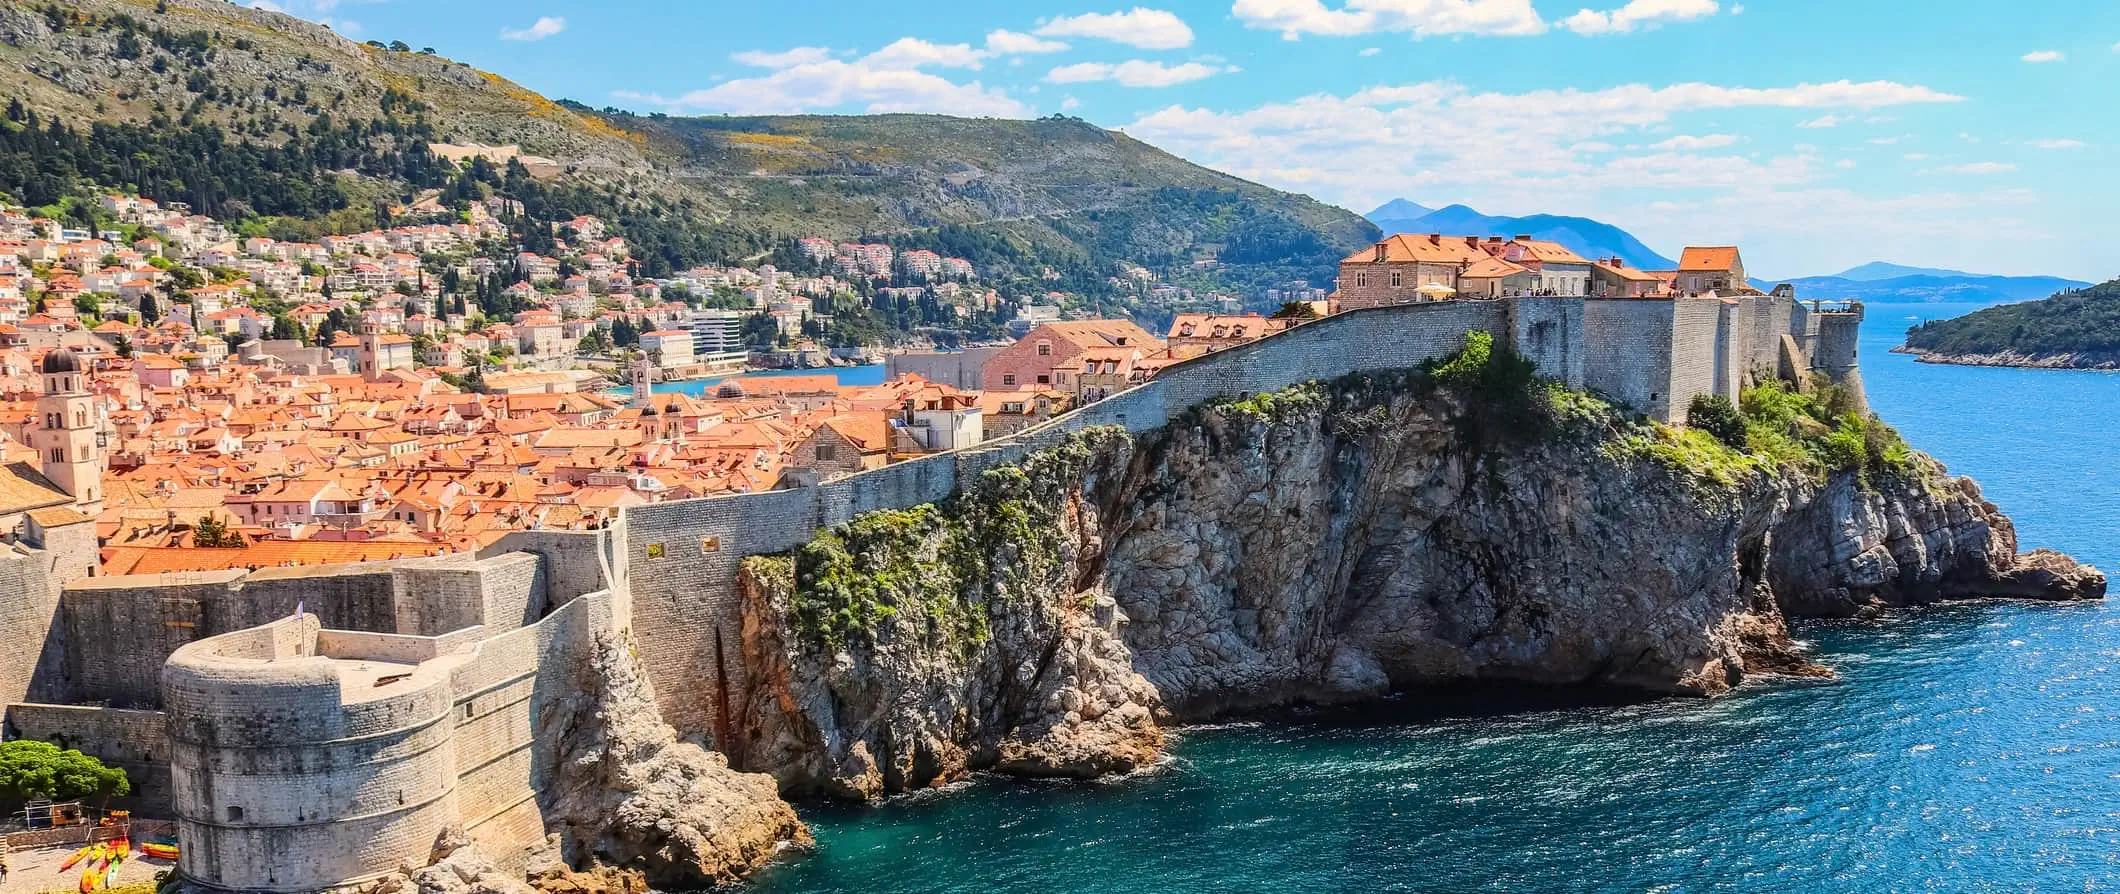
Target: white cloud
[1824,121]
[1507,152]
[1977,168]
[2044,56]
[1422,18]
[1638,14]
[1149,29]
[1371,51]
[1135,73]
[1684,143]
[1070,103]
[1844,164]
[1737,9]
[1885,141]
[2057,144]
[823,84]
[784,59]
[907,53]
[1009,43]
[545,26]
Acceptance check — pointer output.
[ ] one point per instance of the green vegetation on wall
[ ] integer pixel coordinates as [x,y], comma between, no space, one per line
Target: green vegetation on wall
[932,573]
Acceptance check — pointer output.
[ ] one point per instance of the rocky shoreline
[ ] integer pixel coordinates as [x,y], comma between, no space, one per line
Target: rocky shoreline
[2014,359]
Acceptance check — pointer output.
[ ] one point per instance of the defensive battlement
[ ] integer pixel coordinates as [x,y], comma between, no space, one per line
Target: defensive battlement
[305,758]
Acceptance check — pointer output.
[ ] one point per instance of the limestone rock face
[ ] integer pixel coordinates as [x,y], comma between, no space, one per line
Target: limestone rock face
[1040,685]
[1337,551]
[630,795]
[1848,551]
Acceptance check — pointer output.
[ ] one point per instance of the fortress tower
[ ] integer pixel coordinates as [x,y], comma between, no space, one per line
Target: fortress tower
[67,437]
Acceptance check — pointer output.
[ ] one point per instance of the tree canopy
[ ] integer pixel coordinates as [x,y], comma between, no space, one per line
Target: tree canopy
[33,769]
[2083,324]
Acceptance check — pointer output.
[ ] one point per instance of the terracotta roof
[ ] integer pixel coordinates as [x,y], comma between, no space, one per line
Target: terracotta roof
[1620,269]
[1492,268]
[1432,248]
[23,488]
[1549,252]
[1705,259]
[260,554]
[1232,326]
[56,516]
[1098,333]
[868,431]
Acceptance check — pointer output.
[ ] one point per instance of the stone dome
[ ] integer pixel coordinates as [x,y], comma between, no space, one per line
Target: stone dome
[61,360]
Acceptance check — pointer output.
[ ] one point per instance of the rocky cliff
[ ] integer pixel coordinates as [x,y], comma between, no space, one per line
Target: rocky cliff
[1335,543]
[629,796]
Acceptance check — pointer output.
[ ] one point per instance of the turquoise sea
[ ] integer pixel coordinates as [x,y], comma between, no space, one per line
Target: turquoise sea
[1972,747]
[848,375]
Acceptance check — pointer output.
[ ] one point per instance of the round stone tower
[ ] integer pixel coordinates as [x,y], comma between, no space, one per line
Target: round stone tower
[305,759]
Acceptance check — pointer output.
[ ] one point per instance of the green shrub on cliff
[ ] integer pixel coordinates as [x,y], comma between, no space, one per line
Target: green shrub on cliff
[1716,415]
[1273,407]
[1822,432]
[935,569]
[1691,450]
[1507,400]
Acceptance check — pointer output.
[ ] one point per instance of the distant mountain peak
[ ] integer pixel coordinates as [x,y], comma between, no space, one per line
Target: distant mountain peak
[1400,209]
[1876,270]
[1586,237]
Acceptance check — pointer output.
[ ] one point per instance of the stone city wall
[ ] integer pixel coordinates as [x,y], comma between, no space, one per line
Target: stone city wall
[684,555]
[119,630]
[32,660]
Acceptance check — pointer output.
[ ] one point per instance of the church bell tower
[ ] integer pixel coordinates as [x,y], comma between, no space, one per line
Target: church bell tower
[68,436]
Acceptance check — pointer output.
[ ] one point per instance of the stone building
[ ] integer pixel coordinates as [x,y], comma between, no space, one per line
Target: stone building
[1704,269]
[1041,357]
[1406,268]
[1613,278]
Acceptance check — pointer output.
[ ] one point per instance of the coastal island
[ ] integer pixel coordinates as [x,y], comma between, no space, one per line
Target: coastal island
[2077,329]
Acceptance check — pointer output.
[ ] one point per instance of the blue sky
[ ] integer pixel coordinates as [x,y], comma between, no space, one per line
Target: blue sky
[1816,134]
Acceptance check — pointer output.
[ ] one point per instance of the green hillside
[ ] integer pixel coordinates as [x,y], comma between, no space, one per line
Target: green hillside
[2078,328]
[261,118]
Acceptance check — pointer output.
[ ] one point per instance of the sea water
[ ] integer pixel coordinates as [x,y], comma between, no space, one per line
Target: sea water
[871,374]
[1970,747]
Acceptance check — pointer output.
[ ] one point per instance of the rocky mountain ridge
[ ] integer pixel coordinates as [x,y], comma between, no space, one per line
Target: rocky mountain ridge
[1022,199]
